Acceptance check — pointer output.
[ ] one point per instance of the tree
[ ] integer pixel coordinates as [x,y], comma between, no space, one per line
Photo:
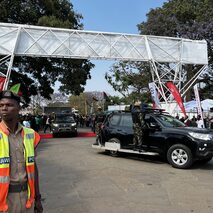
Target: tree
[130,79]
[38,75]
[191,19]
[115,100]
[87,102]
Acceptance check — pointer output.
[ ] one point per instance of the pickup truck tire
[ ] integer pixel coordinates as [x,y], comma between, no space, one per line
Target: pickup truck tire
[111,152]
[180,156]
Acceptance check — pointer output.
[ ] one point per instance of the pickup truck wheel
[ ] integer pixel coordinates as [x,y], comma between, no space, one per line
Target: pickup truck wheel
[111,152]
[180,156]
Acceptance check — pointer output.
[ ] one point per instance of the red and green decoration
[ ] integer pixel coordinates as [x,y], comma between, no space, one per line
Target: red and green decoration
[15,89]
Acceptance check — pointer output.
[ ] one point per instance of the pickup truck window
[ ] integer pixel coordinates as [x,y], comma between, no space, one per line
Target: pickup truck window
[169,121]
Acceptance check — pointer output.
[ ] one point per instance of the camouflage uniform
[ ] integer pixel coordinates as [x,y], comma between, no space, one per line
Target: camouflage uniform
[138,126]
[99,119]
[98,128]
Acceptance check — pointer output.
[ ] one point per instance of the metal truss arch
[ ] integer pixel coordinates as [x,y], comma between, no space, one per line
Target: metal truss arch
[166,55]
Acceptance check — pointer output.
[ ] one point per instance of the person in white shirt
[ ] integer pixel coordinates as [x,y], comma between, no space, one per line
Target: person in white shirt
[48,124]
[199,122]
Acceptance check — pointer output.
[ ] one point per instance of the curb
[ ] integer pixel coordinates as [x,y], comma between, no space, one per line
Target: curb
[80,134]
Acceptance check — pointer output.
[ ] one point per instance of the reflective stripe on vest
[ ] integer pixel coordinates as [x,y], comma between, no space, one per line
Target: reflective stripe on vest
[4,170]
[4,179]
[29,139]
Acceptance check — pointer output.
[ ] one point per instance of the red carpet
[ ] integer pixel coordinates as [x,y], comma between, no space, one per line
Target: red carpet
[86,134]
[80,134]
[43,136]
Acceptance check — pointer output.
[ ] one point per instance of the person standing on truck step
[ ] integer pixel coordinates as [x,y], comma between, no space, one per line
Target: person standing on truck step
[138,125]
[19,184]
[99,119]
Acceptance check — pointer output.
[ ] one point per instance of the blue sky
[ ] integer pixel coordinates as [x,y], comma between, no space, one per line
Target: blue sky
[120,16]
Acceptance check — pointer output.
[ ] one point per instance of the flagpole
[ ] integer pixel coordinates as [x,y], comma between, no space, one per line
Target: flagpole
[199,108]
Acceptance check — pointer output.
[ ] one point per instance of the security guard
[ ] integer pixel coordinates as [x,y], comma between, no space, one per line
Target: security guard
[99,119]
[19,185]
[138,124]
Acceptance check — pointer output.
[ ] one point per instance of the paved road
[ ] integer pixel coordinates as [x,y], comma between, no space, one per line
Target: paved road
[78,179]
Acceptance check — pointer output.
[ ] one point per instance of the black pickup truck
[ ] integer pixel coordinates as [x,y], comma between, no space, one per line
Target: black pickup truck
[164,135]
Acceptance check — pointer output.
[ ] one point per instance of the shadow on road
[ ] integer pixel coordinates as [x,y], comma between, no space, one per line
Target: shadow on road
[160,160]
[203,166]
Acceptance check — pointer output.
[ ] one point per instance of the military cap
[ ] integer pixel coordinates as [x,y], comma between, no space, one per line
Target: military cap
[10,95]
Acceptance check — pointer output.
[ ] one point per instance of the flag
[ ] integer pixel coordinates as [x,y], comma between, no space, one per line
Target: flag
[175,93]
[154,95]
[15,88]
[2,80]
[199,109]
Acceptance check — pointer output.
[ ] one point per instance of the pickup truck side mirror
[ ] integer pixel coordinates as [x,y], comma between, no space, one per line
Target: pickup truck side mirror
[154,125]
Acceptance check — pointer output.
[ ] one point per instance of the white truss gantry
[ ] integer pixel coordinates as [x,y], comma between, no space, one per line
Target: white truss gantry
[161,52]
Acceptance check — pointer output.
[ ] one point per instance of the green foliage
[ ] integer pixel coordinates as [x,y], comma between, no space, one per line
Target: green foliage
[130,79]
[206,92]
[78,102]
[38,75]
[115,100]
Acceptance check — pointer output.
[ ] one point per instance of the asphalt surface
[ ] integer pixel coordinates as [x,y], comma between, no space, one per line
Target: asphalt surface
[74,178]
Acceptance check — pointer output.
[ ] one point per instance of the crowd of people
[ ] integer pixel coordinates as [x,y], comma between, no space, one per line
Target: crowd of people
[197,121]
[43,122]
[37,122]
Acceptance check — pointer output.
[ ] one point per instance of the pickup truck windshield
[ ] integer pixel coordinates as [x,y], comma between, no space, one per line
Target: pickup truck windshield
[169,121]
[64,119]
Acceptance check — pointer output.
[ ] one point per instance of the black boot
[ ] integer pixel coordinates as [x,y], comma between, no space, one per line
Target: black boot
[96,142]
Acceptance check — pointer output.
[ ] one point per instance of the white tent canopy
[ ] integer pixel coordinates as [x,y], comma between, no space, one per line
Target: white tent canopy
[191,106]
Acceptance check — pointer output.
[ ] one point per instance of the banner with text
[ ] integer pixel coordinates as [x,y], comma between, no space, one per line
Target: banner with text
[154,95]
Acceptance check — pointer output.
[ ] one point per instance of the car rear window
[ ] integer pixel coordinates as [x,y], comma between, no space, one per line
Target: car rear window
[126,121]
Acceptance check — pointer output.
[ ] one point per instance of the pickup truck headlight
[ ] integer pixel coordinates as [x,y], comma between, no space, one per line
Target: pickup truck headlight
[73,124]
[205,137]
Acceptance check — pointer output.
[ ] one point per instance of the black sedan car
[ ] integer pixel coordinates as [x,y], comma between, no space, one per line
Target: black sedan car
[164,135]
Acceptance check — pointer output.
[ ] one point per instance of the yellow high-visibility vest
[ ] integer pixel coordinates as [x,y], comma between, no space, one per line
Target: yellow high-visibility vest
[31,139]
